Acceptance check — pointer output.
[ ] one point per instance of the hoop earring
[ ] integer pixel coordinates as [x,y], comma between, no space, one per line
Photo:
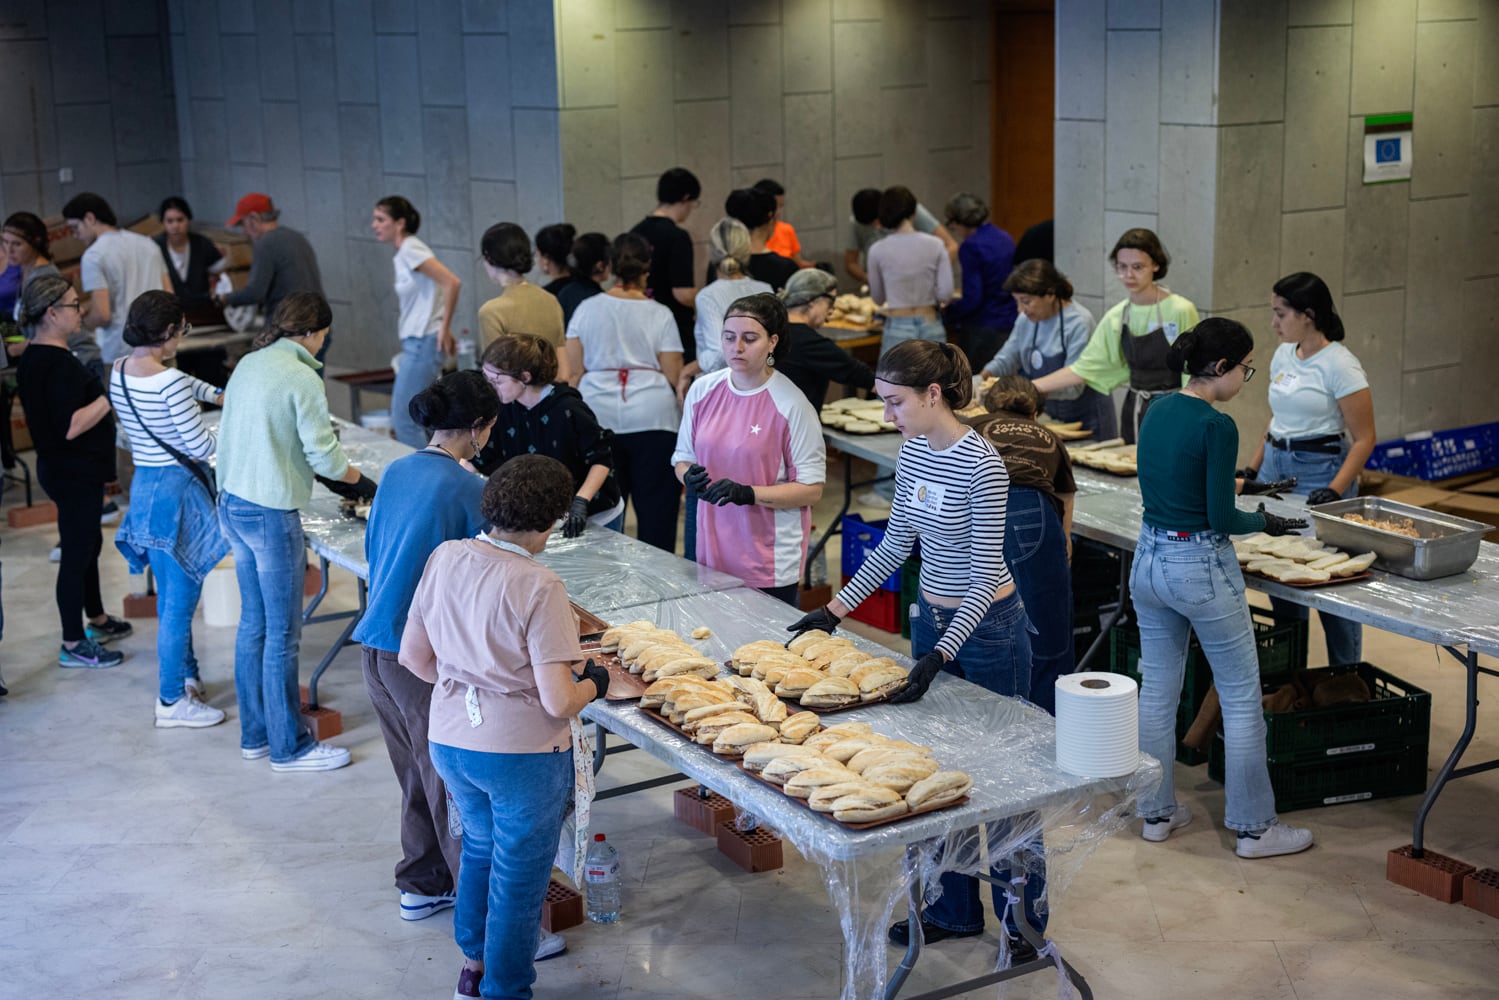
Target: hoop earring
[770,361]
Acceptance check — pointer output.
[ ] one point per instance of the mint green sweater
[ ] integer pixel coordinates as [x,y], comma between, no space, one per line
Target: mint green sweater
[275,431]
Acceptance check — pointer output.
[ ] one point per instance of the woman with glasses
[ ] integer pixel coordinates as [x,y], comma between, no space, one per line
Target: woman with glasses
[1185,579]
[812,360]
[1321,424]
[1131,343]
[68,414]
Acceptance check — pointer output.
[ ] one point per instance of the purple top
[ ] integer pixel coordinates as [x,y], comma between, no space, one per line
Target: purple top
[986,257]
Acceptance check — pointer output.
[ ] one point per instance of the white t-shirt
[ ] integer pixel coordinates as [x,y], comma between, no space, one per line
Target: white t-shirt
[420,296]
[180,259]
[126,264]
[622,379]
[1304,394]
[712,302]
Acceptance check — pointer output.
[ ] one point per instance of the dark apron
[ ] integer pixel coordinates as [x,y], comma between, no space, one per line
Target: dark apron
[1094,409]
[1149,376]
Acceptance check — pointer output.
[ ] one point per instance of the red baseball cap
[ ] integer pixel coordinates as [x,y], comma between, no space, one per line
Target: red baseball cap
[249,204]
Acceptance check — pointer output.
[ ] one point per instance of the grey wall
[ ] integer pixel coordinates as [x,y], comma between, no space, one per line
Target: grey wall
[87,86]
[1235,129]
[827,96]
[329,105]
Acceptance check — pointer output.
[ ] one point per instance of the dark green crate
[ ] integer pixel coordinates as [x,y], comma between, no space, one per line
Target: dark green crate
[1397,715]
[1339,779]
[910,589]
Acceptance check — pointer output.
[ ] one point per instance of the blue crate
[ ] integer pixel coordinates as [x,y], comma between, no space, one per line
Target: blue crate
[860,538]
[1439,454]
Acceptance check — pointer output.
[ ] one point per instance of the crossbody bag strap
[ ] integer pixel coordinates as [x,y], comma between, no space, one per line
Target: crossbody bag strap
[182,460]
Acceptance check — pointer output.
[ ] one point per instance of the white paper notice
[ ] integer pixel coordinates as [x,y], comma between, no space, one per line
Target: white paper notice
[1387,157]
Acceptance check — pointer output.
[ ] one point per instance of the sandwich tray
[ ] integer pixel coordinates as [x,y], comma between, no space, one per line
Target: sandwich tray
[963,800]
[623,685]
[707,747]
[829,710]
[589,624]
[1334,582]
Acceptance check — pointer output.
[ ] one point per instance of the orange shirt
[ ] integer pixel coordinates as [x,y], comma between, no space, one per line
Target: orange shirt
[783,241]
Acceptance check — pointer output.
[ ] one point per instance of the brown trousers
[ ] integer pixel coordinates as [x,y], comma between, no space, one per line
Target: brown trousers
[429,863]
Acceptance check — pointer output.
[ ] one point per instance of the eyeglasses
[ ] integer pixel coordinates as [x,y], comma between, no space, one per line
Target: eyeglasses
[1248,371]
[66,305]
[187,329]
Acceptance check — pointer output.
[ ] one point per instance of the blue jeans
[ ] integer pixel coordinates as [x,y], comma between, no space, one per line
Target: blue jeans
[1036,552]
[902,328]
[421,363]
[1186,585]
[996,656]
[177,596]
[270,563]
[1345,639]
[511,805]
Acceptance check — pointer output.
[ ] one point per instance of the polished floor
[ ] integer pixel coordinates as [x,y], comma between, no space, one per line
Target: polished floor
[155,864]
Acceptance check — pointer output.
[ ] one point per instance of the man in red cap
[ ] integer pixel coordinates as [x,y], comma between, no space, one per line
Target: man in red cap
[283,263]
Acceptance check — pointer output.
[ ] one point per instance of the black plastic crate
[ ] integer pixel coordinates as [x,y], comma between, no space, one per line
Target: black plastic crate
[1397,715]
[1338,779]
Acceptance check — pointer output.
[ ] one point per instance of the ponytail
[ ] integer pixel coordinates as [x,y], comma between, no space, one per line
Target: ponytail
[1310,296]
[917,364]
[1208,348]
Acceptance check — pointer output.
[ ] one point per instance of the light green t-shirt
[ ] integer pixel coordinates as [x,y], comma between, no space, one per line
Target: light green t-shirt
[1102,365]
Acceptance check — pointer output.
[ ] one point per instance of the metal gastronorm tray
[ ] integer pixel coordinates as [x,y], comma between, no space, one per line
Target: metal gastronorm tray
[1446,545]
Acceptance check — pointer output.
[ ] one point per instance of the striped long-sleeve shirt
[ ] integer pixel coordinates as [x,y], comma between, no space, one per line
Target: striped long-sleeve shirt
[954,501]
[168,403]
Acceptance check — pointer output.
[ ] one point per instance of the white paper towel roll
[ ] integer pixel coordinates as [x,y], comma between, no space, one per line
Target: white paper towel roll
[1098,724]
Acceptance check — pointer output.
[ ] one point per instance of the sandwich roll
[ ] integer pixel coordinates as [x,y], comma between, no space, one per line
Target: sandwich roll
[769,709]
[782,769]
[822,798]
[844,663]
[795,728]
[939,789]
[733,741]
[806,639]
[843,751]
[709,729]
[831,692]
[796,682]
[866,805]
[693,717]
[760,754]
[809,780]
[879,681]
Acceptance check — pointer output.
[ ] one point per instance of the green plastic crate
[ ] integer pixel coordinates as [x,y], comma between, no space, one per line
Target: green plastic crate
[1281,647]
[1335,780]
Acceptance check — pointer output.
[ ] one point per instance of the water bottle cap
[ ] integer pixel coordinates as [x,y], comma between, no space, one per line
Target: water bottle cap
[598,838]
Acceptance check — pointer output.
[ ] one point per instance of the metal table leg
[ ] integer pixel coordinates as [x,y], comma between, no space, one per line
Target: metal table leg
[1450,769]
[322,592]
[343,637]
[1112,618]
[600,752]
[913,910]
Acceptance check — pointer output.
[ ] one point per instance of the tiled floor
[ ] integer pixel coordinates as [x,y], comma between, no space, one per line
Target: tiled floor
[137,863]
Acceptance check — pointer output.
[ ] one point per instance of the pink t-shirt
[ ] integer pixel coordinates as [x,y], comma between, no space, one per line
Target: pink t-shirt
[763,437]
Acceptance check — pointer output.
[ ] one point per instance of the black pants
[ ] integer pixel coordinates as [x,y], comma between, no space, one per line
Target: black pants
[786,594]
[642,464]
[80,503]
[981,343]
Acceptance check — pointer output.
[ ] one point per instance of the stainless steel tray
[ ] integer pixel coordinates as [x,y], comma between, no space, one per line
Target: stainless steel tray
[1446,545]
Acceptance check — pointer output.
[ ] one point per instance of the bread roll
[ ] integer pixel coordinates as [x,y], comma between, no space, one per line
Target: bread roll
[797,681]
[1353,566]
[692,717]
[807,781]
[843,751]
[796,728]
[831,692]
[939,789]
[822,798]
[868,805]
[878,681]
[702,632]
[1331,559]
[709,729]
[760,754]
[806,639]
[733,741]
[844,663]
[769,709]
[784,768]
[1297,574]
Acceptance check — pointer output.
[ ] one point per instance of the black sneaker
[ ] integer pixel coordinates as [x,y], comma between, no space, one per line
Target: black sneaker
[109,630]
[110,514]
[900,933]
[1021,950]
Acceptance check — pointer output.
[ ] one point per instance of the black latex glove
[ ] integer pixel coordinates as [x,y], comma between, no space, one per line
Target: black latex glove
[1277,525]
[1321,495]
[599,675]
[921,678]
[576,520]
[726,491]
[362,490]
[697,478]
[820,618]
[1274,488]
[1247,473]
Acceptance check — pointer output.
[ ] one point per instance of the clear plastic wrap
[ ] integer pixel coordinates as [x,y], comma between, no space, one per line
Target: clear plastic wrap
[1005,745]
[607,572]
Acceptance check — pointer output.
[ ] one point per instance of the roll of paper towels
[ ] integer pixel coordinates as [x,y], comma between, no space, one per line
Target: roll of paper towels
[1098,724]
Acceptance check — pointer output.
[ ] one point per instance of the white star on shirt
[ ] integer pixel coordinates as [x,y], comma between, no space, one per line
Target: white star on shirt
[754,428]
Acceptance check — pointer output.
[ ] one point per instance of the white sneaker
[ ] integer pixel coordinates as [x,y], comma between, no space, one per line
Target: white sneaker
[194,687]
[255,753]
[187,712]
[1274,840]
[1157,830]
[415,906]
[56,554]
[550,946]
[319,757]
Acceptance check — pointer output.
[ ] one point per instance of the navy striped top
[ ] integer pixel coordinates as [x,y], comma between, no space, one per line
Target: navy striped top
[168,402]
[954,501]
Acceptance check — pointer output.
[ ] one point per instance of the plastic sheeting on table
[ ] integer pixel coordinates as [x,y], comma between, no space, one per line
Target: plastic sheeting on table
[1005,744]
[606,571]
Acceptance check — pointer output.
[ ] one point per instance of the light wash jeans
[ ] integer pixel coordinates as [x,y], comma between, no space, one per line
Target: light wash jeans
[1345,639]
[902,328]
[1184,583]
[270,563]
[511,805]
[176,599]
[421,363]
[997,656]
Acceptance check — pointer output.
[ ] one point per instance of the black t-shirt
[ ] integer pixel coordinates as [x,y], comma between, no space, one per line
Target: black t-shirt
[53,384]
[671,267]
[771,268]
[560,426]
[572,294]
[812,361]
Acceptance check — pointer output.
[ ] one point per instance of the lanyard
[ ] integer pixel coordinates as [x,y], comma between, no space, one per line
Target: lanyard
[507,546]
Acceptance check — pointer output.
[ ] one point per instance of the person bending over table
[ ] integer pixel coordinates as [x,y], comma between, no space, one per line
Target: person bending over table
[542,416]
[506,695]
[458,411]
[1319,398]
[171,525]
[813,360]
[1038,525]
[750,446]
[1131,342]
[1050,332]
[274,437]
[951,489]
[1186,579]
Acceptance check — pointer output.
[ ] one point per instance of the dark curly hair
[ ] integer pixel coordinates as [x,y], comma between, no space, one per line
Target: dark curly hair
[457,401]
[527,493]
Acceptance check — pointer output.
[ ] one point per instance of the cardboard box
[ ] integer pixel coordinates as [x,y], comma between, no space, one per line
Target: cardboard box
[149,226]
[1488,487]
[1473,506]
[20,434]
[1383,484]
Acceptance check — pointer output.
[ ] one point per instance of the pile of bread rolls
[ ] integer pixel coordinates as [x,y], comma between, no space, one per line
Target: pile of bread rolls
[1294,559]
[728,713]
[856,416]
[1107,456]
[817,670]
[654,652]
[856,774]
[856,310]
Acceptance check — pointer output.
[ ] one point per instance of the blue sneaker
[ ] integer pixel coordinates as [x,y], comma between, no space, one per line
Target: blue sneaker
[89,654]
[109,630]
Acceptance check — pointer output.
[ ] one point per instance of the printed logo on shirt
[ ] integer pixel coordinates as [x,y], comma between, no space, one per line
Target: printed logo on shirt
[927,497]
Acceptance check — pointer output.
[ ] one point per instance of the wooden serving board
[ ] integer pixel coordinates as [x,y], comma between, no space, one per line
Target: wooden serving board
[812,708]
[1335,581]
[850,826]
[589,624]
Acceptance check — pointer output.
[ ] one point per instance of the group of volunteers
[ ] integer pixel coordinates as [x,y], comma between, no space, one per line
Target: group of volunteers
[624,382]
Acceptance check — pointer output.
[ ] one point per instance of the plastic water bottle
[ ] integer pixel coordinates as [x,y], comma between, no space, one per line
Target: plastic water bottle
[468,358]
[601,881]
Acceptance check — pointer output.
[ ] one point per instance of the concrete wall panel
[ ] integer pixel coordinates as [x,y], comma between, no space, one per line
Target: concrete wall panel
[1444,85]
[1132,153]
[1375,324]
[1248,214]
[1384,53]
[1317,68]
[1077,171]
[1313,241]
[1434,283]
[1252,63]
[1189,77]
